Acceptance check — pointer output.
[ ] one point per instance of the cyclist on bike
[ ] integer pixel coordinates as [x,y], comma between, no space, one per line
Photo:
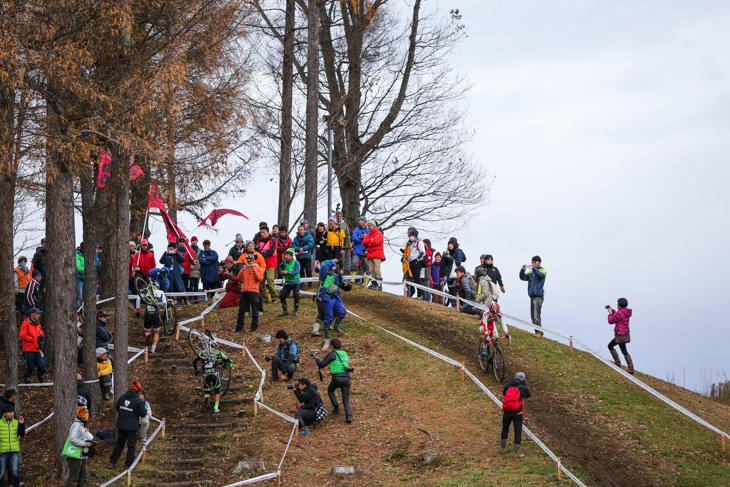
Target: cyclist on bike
[486,326]
[211,376]
[152,320]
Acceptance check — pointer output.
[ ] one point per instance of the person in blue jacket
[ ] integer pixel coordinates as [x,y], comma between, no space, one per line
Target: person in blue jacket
[208,259]
[535,278]
[303,244]
[330,281]
[161,277]
[359,253]
[173,260]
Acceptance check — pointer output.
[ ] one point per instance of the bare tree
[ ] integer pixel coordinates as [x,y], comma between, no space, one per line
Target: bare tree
[287,86]
[312,113]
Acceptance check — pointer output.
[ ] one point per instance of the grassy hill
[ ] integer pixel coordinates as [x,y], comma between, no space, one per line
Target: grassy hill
[608,431]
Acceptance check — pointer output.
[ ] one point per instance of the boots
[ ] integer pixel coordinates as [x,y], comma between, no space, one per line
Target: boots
[327,330]
[105,392]
[616,360]
[315,331]
[630,364]
[517,451]
[503,446]
[285,310]
[338,320]
[296,310]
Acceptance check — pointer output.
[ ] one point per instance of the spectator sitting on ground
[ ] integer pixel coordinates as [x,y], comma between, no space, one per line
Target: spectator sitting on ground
[312,411]
[286,357]
[144,423]
[104,370]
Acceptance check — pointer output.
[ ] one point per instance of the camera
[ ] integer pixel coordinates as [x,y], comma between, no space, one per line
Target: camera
[349,370]
[314,354]
[291,386]
[608,306]
[268,358]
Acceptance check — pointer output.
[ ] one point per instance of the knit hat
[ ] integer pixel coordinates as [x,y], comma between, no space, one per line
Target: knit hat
[483,256]
[437,254]
[36,272]
[537,259]
[520,376]
[100,351]
[136,386]
[82,413]
[282,334]
[43,240]
[205,242]
[249,242]
[333,218]
[132,243]
[290,251]
[413,232]
[193,238]
[373,222]
[454,242]
[22,257]
[363,219]
[229,259]
[239,237]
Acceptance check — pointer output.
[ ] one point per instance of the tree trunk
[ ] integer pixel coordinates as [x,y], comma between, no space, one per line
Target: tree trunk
[59,311]
[104,216]
[86,177]
[287,84]
[120,185]
[312,115]
[140,192]
[8,179]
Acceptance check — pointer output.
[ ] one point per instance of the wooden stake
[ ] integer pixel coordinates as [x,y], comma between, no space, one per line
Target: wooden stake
[296,429]
[278,480]
[243,351]
[144,455]
[146,359]
[458,304]
[560,473]
[405,290]
[462,371]
[255,408]
[723,442]
[177,333]
[202,322]
[163,427]
[571,346]
[129,478]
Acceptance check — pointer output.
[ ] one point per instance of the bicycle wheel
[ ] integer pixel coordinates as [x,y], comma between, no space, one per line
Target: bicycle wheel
[197,342]
[144,291]
[483,359]
[169,319]
[498,362]
[224,370]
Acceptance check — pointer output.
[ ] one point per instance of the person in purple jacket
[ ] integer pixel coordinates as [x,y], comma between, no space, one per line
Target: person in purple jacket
[621,335]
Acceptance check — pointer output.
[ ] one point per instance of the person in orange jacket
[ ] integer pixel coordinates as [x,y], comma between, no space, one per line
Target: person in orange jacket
[250,276]
[33,338]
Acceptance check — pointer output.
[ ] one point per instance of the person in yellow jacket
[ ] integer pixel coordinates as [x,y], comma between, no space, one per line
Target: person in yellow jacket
[104,369]
[335,239]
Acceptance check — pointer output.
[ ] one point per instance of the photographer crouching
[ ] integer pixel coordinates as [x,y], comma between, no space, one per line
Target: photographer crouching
[286,357]
[339,364]
[312,410]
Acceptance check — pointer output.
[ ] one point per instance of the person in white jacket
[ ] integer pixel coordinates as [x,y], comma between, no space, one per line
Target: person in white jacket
[77,448]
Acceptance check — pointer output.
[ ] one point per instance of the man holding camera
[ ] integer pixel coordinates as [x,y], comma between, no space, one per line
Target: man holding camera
[250,276]
[535,277]
[339,364]
[286,357]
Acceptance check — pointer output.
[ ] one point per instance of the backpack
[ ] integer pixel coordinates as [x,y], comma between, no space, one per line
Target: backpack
[428,257]
[512,399]
[472,282]
[494,289]
[299,351]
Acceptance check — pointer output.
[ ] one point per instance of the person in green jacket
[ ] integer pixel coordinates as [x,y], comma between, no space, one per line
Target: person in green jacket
[289,269]
[11,430]
[339,364]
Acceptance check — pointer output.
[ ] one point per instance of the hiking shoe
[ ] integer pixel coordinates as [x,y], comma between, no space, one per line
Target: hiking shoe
[335,411]
[316,424]
[112,466]
[538,334]
[517,452]
[254,328]
[216,410]
[238,329]
[348,419]
[303,432]
[260,313]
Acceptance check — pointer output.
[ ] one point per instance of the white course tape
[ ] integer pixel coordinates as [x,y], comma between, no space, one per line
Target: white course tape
[281,415]
[139,456]
[255,480]
[31,428]
[583,346]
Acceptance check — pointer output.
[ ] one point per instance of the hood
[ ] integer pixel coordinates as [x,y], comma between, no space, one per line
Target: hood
[625,311]
[515,382]
[130,394]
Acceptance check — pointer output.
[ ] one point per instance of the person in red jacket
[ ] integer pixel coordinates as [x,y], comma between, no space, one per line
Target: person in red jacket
[373,243]
[32,336]
[144,259]
[266,246]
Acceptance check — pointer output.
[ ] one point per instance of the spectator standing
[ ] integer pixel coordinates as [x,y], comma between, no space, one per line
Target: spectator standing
[8,398]
[426,269]
[481,264]
[250,276]
[455,258]
[258,234]
[513,411]
[274,231]
[289,269]
[535,278]
[130,409]
[80,274]
[102,334]
[339,364]
[195,268]
[285,358]
[307,228]
[83,396]
[282,245]
[359,254]
[412,260]
[33,338]
[465,290]
[267,248]
[621,335]
[182,249]
[238,249]
[11,430]
[174,260]
[436,280]
[33,297]
[347,243]
[373,242]
[493,272]
[22,276]
[320,240]
[76,449]
[335,239]
[144,236]
[144,259]
[303,244]
[208,260]
[39,258]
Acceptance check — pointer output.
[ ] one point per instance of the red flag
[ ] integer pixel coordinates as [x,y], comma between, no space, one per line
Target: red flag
[134,171]
[174,232]
[216,214]
[105,162]
[155,200]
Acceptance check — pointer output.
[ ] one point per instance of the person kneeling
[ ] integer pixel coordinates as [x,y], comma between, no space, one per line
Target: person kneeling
[340,367]
[286,357]
[312,410]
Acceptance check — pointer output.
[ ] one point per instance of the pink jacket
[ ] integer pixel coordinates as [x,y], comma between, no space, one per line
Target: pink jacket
[620,318]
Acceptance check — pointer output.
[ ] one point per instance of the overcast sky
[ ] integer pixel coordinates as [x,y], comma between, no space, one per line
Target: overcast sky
[603,127]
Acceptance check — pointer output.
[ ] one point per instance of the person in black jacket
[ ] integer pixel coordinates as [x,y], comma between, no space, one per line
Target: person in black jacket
[493,272]
[339,364]
[130,409]
[102,334]
[312,410]
[83,397]
[515,416]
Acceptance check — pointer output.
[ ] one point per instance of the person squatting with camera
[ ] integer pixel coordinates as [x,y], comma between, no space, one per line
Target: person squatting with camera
[286,357]
[312,410]
[340,368]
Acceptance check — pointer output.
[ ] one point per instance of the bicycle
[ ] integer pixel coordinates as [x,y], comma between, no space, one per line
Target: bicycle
[203,345]
[169,319]
[494,357]
[146,292]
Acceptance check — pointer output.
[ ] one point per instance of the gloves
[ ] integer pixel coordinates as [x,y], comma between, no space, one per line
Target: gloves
[501,288]
[41,342]
[137,314]
[197,372]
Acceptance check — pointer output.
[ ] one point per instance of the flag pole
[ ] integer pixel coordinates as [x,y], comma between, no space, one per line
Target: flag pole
[144,226]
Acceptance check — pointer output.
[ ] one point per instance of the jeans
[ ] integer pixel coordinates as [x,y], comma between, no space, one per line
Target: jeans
[343,383]
[193,284]
[348,261]
[32,360]
[278,364]
[9,462]
[77,474]
[130,438]
[508,418]
[79,292]
[535,310]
